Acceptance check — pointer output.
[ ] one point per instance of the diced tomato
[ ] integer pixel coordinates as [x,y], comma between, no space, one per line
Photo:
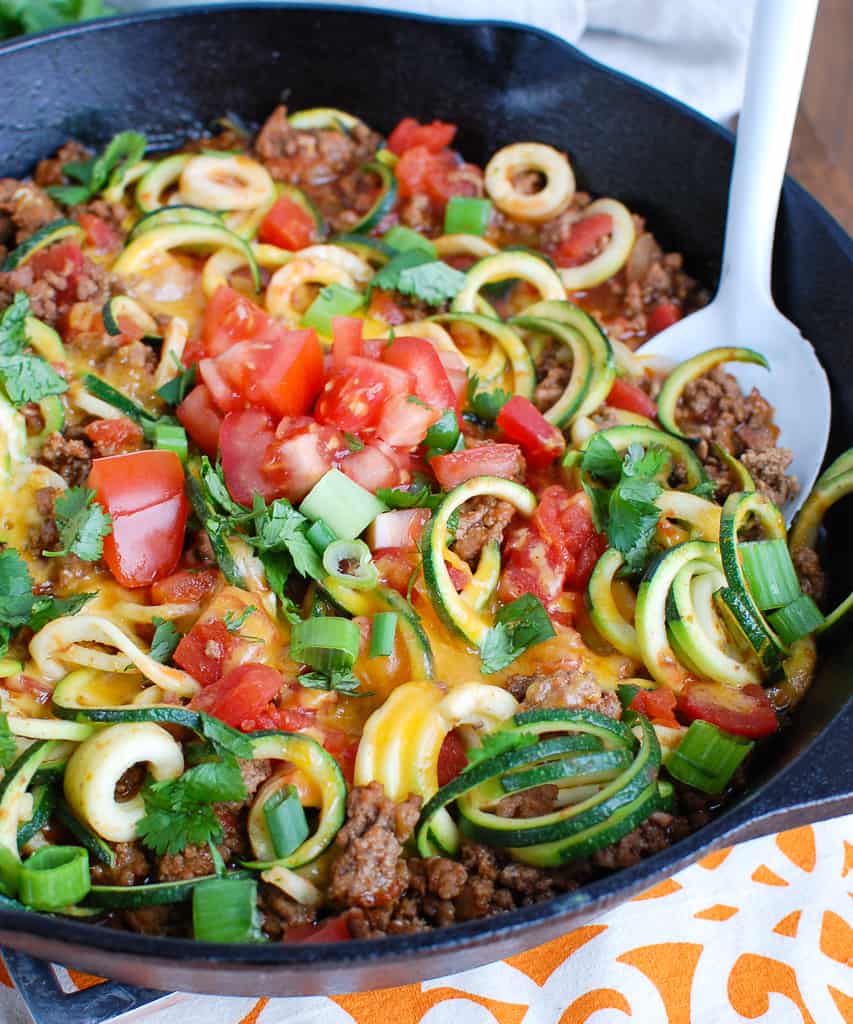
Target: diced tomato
[301,452]
[240,695]
[420,359]
[410,132]
[555,551]
[184,586]
[224,397]
[405,421]
[586,234]
[66,260]
[401,528]
[504,460]
[114,437]
[657,705]
[523,423]
[744,711]
[346,338]
[456,179]
[383,307]
[243,442]
[201,419]
[372,468]
[202,651]
[282,374]
[631,398]
[421,172]
[287,225]
[334,929]
[343,749]
[230,317]
[144,493]
[353,398]
[452,758]
[661,316]
[457,374]
[395,567]
[99,234]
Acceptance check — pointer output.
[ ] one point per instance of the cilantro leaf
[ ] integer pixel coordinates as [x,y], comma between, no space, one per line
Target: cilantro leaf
[279,527]
[216,781]
[601,460]
[632,519]
[82,524]
[16,589]
[13,337]
[416,273]
[166,638]
[409,497]
[521,624]
[8,747]
[225,740]
[215,490]
[28,378]
[645,463]
[233,622]
[277,566]
[46,609]
[494,743]
[340,682]
[705,489]
[485,404]
[173,392]
[355,444]
[123,151]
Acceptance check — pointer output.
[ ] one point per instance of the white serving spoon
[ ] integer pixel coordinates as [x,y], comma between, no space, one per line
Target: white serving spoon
[743,311]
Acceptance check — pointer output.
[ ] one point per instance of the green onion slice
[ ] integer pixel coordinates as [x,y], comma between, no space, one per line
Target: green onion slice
[797,619]
[327,644]
[346,507]
[467,216]
[707,757]
[404,239]
[350,562]
[286,821]
[382,634]
[769,572]
[225,910]
[55,877]
[320,536]
[331,301]
[171,438]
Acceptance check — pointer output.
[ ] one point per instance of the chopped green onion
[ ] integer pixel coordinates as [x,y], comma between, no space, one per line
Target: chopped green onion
[55,877]
[331,301]
[797,619]
[350,562]
[442,435]
[404,239]
[666,793]
[328,644]
[769,572]
[171,438]
[345,507]
[286,821]
[225,910]
[626,692]
[10,872]
[707,757]
[382,634]
[467,216]
[320,536]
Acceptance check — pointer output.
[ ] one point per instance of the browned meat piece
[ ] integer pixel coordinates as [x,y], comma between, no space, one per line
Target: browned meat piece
[255,774]
[28,207]
[528,804]
[131,867]
[49,172]
[114,214]
[654,835]
[551,385]
[195,861]
[564,688]
[369,871]
[767,469]
[46,536]
[166,920]
[810,573]
[131,782]
[481,520]
[419,213]
[54,292]
[70,458]
[279,912]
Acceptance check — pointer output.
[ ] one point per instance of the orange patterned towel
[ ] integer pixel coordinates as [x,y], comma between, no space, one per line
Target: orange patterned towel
[761,932]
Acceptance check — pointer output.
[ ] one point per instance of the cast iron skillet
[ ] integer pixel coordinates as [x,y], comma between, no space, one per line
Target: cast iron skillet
[170,76]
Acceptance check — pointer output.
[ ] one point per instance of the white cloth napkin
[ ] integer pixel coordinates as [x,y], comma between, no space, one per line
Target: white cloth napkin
[693,49]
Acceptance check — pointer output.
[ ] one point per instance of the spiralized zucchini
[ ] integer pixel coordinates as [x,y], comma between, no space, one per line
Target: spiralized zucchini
[62,641]
[172,351]
[219,267]
[519,158]
[286,283]
[464,245]
[614,254]
[95,768]
[226,182]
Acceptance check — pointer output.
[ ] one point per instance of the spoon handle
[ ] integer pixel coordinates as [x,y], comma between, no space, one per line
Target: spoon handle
[778,53]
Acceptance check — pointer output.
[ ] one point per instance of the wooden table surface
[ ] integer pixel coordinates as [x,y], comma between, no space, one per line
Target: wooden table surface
[822,150]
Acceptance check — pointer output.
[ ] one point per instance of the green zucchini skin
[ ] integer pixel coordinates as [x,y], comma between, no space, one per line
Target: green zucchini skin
[97,847]
[44,802]
[384,203]
[622,437]
[178,214]
[50,233]
[564,410]
[132,897]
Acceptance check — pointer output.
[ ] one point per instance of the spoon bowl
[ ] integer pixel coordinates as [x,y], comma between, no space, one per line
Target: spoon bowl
[743,312]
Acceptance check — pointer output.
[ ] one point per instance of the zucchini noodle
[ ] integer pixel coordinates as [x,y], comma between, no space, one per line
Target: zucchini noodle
[288,281]
[226,182]
[81,399]
[219,267]
[171,354]
[464,245]
[614,254]
[522,157]
[155,181]
[60,641]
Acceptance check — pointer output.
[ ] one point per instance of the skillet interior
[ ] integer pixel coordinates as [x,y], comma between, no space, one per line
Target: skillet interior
[500,84]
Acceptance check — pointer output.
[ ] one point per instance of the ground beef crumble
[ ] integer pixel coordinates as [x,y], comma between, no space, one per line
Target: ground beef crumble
[481,520]
[810,572]
[564,688]
[54,292]
[70,457]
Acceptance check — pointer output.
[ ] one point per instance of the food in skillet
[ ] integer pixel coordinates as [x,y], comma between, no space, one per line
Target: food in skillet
[357,576]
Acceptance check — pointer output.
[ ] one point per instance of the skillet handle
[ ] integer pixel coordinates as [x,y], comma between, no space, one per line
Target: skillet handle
[818,786]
